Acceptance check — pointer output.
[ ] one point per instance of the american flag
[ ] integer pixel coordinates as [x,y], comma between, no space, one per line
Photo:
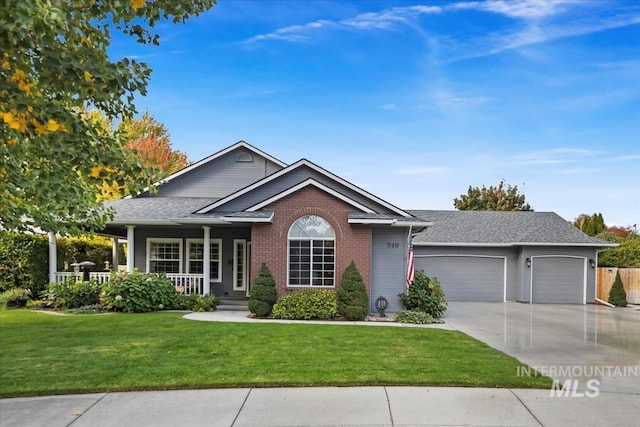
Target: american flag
[410,267]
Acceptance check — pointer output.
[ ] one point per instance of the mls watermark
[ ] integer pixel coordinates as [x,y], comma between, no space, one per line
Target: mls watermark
[580,380]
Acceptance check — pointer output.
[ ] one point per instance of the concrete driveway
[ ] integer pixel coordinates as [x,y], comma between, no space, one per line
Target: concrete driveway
[565,342]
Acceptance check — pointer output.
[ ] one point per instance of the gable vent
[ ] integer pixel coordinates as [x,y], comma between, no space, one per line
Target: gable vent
[244,157]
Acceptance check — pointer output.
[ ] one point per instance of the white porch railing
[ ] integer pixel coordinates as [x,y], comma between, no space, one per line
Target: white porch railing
[99,276]
[184,283]
[187,283]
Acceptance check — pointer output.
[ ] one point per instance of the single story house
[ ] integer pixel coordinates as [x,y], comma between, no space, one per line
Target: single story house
[211,225]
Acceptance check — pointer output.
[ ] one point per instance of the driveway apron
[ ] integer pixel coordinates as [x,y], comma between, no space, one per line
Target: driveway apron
[565,342]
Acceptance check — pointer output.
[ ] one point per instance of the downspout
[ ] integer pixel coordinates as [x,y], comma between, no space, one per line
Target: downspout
[597,282]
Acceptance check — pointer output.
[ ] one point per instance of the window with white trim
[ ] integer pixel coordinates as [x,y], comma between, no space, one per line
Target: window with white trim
[195,257]
[311,255]
[164,255]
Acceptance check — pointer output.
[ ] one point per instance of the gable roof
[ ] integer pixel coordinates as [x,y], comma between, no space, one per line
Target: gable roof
[308,182]
[500,228]
[290,169]
[239,144]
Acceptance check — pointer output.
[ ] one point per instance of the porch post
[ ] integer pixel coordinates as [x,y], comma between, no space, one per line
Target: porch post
[114,254]
[53,257]
[130,248]
[206,260]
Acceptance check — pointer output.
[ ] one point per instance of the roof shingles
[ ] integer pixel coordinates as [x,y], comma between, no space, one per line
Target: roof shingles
[500,228]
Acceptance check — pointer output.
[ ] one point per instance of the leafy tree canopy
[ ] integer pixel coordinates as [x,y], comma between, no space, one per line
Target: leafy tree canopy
[54,66]
[591,225]
[504,197]
[150,139]
[147,139]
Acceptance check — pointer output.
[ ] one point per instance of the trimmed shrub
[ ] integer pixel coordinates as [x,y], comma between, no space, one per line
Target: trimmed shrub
[412,316]
[193,302]
[617,294]
[204,303]
[353,301]
[306,304]
[426,295]
[16,298]
[263,293]
[73,294]
[137,292]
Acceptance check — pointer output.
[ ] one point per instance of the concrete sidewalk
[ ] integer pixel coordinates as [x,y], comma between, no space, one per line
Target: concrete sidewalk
[328,406]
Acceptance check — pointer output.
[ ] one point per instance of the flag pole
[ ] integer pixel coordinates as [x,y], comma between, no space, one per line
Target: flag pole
[410,265]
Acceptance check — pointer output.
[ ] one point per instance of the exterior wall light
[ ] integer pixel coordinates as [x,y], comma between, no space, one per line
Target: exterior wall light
[528,262]
[592,263]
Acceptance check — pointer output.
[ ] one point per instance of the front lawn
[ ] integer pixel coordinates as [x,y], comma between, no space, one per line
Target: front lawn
[45,354]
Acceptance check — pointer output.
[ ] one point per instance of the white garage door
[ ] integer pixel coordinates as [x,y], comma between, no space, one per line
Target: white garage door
[557,279]
[467,278]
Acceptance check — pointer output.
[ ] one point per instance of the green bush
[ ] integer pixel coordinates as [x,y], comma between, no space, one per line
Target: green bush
[204,303]
[24,258]
[353,301]
[306,304]
[412,316]
[263,293]
[137,292]
[16,298]
[617,294]
[627,255]
[193,302]
[23,262]
[73,294]
[426,295]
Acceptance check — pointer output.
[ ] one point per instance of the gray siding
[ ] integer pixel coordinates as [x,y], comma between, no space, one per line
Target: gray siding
[291,179]
[388,266]
[558,279]
[467,277]
[227,234]
[220,177]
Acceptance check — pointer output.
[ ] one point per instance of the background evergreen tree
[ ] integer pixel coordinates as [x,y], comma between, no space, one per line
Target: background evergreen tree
[617,295]
[353,301]
[263,293]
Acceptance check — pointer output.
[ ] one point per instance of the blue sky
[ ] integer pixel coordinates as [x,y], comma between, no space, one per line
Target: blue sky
[415,101]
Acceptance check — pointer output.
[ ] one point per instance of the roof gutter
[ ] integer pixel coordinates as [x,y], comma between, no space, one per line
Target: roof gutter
[464,244]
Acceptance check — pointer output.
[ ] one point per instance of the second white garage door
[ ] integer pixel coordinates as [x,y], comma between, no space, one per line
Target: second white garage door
[558,279]
[466,277]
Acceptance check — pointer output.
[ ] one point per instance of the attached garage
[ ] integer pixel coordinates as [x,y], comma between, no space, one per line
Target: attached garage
[467,277]
[558,279]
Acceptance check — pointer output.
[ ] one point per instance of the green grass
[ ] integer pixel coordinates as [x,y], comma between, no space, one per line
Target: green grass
[43,354]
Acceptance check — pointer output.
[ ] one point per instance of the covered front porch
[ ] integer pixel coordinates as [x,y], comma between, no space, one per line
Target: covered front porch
[180,252]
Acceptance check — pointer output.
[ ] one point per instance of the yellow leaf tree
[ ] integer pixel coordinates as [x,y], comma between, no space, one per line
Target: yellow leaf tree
[53,64]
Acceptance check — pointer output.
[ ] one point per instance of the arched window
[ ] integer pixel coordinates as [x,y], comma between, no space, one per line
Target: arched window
[311,252]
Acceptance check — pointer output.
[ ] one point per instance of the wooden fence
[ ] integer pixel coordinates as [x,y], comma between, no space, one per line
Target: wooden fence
[630,280]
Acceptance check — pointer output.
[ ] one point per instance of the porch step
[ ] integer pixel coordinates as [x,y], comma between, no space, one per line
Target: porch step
[227,304]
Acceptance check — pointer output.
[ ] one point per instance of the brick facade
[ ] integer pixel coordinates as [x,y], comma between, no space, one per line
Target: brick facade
[269,241]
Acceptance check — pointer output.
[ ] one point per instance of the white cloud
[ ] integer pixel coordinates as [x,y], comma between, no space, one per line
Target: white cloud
[625,158]
[384,20]
[536,33]
[527,9]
